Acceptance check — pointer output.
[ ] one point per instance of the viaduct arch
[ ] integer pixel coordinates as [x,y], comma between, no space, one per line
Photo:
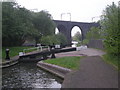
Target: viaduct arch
[65,27]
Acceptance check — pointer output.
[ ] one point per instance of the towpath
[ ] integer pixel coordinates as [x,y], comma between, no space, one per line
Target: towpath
[93,71]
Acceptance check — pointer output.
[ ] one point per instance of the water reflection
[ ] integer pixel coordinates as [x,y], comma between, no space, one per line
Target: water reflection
[28,75]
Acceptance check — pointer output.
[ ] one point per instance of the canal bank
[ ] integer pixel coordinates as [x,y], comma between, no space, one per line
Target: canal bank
[92,73]
[92,69]
[54,69]
[13,60]
[8,63]
[28,75]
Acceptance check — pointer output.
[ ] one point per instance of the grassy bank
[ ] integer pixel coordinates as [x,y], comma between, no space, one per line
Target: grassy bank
[111,60]
[14,51]
[67,62]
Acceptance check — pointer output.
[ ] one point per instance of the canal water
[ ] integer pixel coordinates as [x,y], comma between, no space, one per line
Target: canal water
[28,75]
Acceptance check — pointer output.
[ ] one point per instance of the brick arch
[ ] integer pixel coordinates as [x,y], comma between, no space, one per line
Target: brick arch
[62,29]
[66,26]
[79,28]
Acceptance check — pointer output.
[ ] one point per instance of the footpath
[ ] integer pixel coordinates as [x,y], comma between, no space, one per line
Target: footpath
[93,72]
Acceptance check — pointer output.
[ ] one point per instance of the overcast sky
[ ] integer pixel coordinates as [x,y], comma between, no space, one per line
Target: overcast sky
[81,10]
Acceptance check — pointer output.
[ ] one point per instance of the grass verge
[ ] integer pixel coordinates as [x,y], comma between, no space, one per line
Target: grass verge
[113,60]
[72,62]
[14,51]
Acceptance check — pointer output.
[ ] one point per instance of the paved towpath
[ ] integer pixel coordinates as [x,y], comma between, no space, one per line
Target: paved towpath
[85,52]
[93,71]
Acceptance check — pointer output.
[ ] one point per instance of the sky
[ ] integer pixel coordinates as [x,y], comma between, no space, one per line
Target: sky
[74,10]
[80,10]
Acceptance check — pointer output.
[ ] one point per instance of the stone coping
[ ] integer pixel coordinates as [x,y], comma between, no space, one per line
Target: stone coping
[8,63]
[54,69]
[12,61]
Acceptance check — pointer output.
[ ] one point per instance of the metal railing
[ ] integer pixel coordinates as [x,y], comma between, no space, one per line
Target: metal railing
[39,48]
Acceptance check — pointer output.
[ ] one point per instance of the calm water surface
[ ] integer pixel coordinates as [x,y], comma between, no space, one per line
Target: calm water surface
[28,75]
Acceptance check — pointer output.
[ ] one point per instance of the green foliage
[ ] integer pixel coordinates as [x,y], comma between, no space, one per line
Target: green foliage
[56,39]
[85,41]
[19,24]
[111,59]
[49,40]
[94,33]
[14,51]
[43,23]
[15,24]
[44,27]
[67,62]
[110,28]
[77,37]
[79,43]
[61,38]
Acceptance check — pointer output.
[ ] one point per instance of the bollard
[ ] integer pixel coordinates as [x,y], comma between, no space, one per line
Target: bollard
[61,45]
[53,46]
[53,54]
[44,57]
[7,54]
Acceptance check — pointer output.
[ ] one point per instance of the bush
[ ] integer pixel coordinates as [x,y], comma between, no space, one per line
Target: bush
[79,43]
[56,39]
[111,59]
[61,38]
[49,40]
[110,26]
[94,33]
[85,41]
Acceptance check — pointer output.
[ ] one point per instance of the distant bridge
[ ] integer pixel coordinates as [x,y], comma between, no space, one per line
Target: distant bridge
[65,27]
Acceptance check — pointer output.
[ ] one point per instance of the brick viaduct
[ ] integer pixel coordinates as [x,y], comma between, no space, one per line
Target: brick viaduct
[65,27]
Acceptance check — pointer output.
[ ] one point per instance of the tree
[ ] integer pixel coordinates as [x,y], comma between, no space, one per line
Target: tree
[49,40]
[56,39]
[16,24]
[43,23]
[94,33]
[110,27]
[19,24]
[77,36]
[61,38]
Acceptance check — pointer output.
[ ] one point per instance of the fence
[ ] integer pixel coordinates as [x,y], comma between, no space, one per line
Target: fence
[40,48]
[96,44]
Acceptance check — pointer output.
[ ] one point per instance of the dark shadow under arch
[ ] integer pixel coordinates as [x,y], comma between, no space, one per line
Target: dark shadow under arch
[62,29]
